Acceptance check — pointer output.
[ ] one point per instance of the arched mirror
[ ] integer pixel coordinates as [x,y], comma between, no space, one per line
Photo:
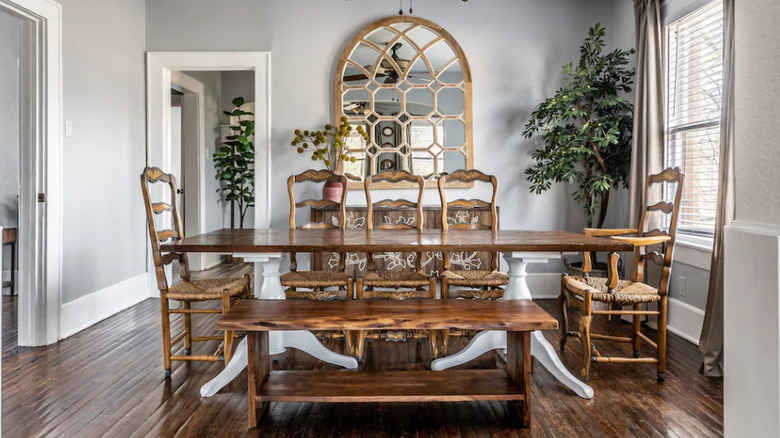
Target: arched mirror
[407,81]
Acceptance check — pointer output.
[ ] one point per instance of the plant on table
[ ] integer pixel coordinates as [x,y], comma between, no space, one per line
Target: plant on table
[328,145]
[586,128]
[235,162]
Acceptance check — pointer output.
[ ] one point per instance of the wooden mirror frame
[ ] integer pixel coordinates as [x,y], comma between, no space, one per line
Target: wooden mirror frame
[339,86]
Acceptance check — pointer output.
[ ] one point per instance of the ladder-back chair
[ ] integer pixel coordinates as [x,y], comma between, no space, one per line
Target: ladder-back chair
[471,283]
[318,284]
[224,290]
[391,284]
[581,291]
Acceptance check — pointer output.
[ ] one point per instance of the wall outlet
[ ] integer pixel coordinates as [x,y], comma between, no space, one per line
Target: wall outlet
[683,292]
[68,128]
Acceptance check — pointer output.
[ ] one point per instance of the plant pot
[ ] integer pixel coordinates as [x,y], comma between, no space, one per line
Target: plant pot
[332,191]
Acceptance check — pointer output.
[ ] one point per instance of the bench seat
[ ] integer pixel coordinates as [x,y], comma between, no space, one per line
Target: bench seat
[517,317]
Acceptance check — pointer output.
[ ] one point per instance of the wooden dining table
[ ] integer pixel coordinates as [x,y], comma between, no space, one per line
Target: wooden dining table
[267,248]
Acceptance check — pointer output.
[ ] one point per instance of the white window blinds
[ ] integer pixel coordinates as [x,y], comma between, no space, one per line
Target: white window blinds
[694,46]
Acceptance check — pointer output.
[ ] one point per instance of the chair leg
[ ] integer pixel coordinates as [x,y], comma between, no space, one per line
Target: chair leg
[166,335]
[585,336]
[248,291]
[359,338]
[609,307]
[563,317]
[228,346]
[349,334]
[433,334]
[445,334]
[637,327]
[187,318]
[662,319]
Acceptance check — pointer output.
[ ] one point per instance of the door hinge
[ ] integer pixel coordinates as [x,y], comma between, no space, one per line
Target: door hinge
[41,197]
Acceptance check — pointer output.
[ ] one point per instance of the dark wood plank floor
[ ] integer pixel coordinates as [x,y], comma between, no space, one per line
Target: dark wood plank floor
[107,381]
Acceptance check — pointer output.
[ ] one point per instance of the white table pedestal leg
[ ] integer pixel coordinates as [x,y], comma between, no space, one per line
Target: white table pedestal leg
[268,287]
[517,289]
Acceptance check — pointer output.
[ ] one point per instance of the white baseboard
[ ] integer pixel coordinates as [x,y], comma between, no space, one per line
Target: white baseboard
[209,260]
[97,306]
[544,285]
[685,320]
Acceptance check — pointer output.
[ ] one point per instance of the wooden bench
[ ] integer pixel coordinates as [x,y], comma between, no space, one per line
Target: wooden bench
[517,317]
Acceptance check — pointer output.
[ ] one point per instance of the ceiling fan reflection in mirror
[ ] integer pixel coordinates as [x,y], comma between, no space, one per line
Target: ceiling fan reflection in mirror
[385,69]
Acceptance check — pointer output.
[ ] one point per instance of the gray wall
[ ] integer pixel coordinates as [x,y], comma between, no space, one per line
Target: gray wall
[757,155]
[104,240]
[515,49]
[10,52]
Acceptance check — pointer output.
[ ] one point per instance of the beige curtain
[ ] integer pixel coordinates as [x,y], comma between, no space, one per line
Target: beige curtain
[711,342]
[647,152]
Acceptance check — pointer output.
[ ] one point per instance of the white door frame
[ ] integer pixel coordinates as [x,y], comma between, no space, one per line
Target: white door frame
[197,88]
[159,67]
[40,223]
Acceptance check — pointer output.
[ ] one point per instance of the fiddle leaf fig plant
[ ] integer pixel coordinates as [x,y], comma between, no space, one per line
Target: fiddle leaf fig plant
[235,162]
[328,145]
[586,128]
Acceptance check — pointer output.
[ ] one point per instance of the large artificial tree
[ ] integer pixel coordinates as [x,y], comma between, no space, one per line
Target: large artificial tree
[586,128]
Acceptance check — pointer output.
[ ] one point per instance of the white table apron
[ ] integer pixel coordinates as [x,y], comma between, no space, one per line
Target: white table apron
[485,341]
[268,287]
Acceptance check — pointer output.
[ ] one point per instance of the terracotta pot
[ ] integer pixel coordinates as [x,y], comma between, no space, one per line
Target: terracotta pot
[332,191]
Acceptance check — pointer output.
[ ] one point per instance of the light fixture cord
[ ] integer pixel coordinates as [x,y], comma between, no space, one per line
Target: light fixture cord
[400,7]
[411,11]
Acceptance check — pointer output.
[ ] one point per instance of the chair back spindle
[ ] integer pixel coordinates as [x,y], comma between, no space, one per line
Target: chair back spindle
[316,176]
[395,177]
[159,234]
[671,181]
[469,176]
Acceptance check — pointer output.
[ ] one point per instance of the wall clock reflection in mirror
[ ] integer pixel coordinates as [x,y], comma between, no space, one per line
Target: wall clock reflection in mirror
[411,82]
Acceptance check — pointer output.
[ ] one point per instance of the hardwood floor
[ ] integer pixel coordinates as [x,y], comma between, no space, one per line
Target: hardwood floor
[107,381]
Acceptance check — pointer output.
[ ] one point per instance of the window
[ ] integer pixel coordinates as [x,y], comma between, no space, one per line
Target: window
[694,54]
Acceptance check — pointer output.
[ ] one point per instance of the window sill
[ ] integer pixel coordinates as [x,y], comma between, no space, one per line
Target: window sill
[693,251]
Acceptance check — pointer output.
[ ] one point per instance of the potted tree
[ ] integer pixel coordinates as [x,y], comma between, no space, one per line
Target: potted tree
[328,146]
[235,162]
[586,128]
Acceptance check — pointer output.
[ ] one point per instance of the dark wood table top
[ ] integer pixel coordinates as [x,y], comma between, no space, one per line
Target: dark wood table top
[266,315]
[258,240]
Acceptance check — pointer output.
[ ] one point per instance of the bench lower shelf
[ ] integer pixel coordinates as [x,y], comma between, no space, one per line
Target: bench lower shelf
[389,386]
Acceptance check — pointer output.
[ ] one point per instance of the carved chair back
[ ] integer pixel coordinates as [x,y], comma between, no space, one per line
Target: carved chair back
[316,176]
[163,227]
[469,176]
[395,177]
[670,181]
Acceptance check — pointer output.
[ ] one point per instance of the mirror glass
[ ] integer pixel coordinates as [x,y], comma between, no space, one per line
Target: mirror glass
[403,80]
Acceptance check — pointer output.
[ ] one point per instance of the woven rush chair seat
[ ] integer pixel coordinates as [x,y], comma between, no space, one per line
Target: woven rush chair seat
[210,289]
[476,278]
[396,279]
[314,279]
[626,292]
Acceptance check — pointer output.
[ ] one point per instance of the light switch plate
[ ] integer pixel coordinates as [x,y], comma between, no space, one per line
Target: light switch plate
[68,128]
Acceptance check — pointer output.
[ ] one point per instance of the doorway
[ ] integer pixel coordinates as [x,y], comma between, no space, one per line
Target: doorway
[187,137]
[35,49]
[164,70]
[10,139]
